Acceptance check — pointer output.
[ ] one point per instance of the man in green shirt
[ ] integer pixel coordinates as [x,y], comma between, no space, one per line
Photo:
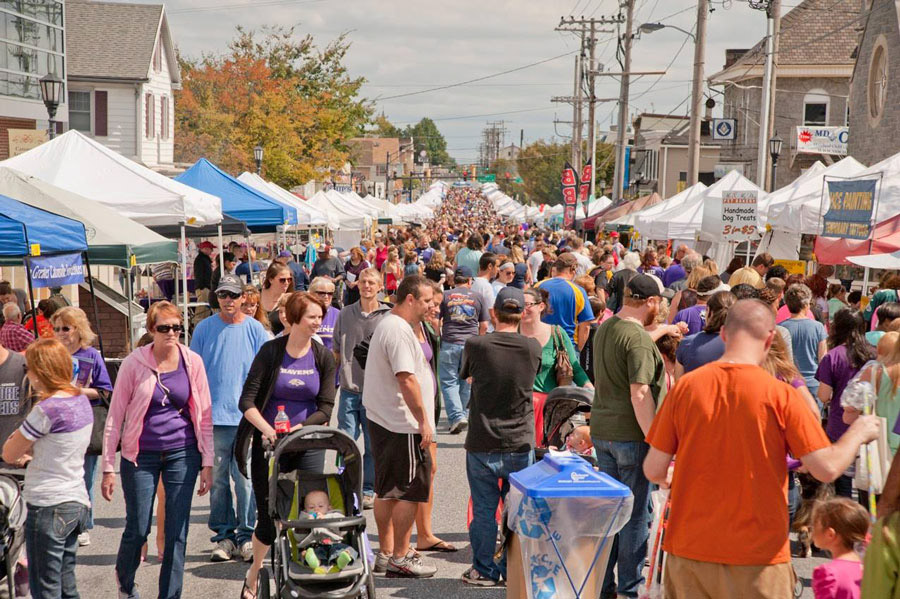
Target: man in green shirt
[629,380]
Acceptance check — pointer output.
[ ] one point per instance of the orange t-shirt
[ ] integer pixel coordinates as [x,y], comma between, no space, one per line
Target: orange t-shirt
[730,427]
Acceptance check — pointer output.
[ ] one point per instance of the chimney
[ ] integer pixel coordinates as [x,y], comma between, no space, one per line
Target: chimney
[732,55]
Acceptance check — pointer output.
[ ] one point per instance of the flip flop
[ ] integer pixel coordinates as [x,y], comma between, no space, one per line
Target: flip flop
[246,593]
[442,546]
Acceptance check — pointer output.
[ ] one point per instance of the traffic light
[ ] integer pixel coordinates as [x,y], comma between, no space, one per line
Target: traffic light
[474,172]
[465,175]
[507,176]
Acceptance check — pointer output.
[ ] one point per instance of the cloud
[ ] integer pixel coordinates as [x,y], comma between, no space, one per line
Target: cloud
[401,46]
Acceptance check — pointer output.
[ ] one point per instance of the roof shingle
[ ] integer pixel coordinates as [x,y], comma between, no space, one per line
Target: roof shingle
[110,40]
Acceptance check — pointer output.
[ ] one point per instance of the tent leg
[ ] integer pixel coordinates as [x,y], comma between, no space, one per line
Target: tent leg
[87,263]
[221,251]
[865,281]
[31,299]
[185,294]
[129,293]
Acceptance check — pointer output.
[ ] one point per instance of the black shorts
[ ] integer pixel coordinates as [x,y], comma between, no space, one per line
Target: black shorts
[402,467]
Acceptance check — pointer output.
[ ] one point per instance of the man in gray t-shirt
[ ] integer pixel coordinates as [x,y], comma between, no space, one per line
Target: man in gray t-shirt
[15,392]
[463,315]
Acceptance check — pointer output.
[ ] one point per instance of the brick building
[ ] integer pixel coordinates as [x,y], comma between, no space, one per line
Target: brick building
[875,89]
[814,64]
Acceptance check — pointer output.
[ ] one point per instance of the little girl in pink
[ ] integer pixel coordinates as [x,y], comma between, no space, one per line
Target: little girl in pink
[838,525]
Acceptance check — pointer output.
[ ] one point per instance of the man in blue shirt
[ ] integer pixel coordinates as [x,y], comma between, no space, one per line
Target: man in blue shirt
[569,305]
[228,343]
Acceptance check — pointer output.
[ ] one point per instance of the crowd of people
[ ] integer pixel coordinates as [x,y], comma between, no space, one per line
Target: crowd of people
[733,388]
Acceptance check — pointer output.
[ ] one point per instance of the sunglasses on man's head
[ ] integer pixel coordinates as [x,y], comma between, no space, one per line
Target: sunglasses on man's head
[165,328]
[227,295]
[63,329]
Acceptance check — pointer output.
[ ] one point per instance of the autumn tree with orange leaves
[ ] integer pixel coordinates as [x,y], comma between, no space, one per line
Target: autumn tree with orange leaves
[296,100]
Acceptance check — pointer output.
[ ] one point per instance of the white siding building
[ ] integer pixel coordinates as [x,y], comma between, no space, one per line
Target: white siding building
[122,73]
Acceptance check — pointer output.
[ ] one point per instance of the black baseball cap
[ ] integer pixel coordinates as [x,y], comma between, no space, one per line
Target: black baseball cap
[644,287]
[510,300]
[464,272]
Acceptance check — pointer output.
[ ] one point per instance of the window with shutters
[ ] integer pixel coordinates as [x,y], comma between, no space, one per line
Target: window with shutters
[164,117]
[80,111]
[101,124]
[149,117]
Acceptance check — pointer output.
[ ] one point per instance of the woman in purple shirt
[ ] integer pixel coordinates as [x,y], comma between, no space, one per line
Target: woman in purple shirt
[323,289]
[848,351]
[72,329]
[162,402]
[650,264]
[296,373]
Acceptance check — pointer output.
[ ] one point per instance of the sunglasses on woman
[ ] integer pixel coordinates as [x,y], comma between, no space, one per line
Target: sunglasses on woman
[325,293]
[165,328]
[284,280]
[62,329]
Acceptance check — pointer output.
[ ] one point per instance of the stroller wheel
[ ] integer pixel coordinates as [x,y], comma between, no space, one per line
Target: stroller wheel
[368,591]
[262,584]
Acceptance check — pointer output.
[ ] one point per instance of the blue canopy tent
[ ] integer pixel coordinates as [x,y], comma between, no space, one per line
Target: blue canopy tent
[27,231]
[262,213]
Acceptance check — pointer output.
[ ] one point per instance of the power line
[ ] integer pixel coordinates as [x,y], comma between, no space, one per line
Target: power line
[219,7]
[448,86]
[478,116]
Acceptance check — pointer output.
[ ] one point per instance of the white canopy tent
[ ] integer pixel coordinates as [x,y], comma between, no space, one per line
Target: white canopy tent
[360,206]
[349,218]
[307,215]
[81,165]
[654,222]
[884,261]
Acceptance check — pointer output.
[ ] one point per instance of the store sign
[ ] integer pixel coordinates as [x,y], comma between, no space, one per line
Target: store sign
[733,218]
[822,140]
[22,140]
[720,170]
[570,195]
[794,267]
[851,204]
[724,128]
[55,271]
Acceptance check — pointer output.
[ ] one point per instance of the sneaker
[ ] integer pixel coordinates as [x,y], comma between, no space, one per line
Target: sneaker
[133,595]
[458,427]
[224,551]
[473,576]
[381,562]
[84,539]
[368,502]
[247,551]
[410,566]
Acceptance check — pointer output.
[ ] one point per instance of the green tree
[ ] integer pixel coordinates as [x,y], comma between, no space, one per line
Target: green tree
[295,99]
[384,128]
[426,136]
[540,164]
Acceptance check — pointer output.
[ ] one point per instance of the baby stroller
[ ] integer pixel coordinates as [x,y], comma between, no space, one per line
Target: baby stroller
[564,411]
[12,528]
[288,485]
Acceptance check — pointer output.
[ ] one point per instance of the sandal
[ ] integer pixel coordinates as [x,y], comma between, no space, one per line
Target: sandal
[246,593]
[441,546]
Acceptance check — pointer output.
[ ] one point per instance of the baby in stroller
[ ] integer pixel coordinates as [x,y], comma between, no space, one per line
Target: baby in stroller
[322,549]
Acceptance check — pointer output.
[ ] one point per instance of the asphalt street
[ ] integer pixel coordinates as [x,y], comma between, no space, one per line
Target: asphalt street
[206,580]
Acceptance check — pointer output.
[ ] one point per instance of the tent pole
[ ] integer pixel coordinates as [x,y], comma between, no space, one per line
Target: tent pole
[185,293]
[87,263]
[31,299]
[129,293]
[221,252]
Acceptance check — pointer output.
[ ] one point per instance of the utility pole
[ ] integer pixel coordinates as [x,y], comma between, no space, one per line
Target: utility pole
[622,131]
[693,167]
[592,114]
[773,10]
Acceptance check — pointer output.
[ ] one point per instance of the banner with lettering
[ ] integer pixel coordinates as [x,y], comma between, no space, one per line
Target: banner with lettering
[587,172]
[851,204]
[570,195]
[55,271]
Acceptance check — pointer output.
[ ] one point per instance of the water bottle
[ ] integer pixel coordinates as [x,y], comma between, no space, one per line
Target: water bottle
[282,423]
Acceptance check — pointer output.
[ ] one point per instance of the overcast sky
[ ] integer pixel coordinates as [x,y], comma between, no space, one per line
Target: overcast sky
[403,46]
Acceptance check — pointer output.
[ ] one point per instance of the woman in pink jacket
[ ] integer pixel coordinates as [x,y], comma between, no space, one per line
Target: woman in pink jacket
[161,414]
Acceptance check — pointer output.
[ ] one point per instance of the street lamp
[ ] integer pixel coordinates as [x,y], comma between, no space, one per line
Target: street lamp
[51,90]
[651,27]
[258,156]
[774,151]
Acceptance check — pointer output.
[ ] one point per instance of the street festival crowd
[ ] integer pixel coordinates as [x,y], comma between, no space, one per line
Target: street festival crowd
[737,387]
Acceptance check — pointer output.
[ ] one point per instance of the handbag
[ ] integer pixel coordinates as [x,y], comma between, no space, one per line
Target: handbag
[100,411]
[562,365]
[874,458]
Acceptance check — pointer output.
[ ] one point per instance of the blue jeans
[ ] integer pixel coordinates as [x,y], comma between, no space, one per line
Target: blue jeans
[352,420]
[624,461]
[483,471]
[90,475]
[51,538]
[229,519]
[178,470]
[455,390]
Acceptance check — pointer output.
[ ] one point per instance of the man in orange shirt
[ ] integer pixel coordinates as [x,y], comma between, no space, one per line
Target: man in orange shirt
[730,423]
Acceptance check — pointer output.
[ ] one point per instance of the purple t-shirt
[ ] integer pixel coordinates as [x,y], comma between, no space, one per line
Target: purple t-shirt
[89,369]
[672,274]
[296,388]
[836,371]
[326,330]
[167,422]
[656,271]
[429,354]
[695,317]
